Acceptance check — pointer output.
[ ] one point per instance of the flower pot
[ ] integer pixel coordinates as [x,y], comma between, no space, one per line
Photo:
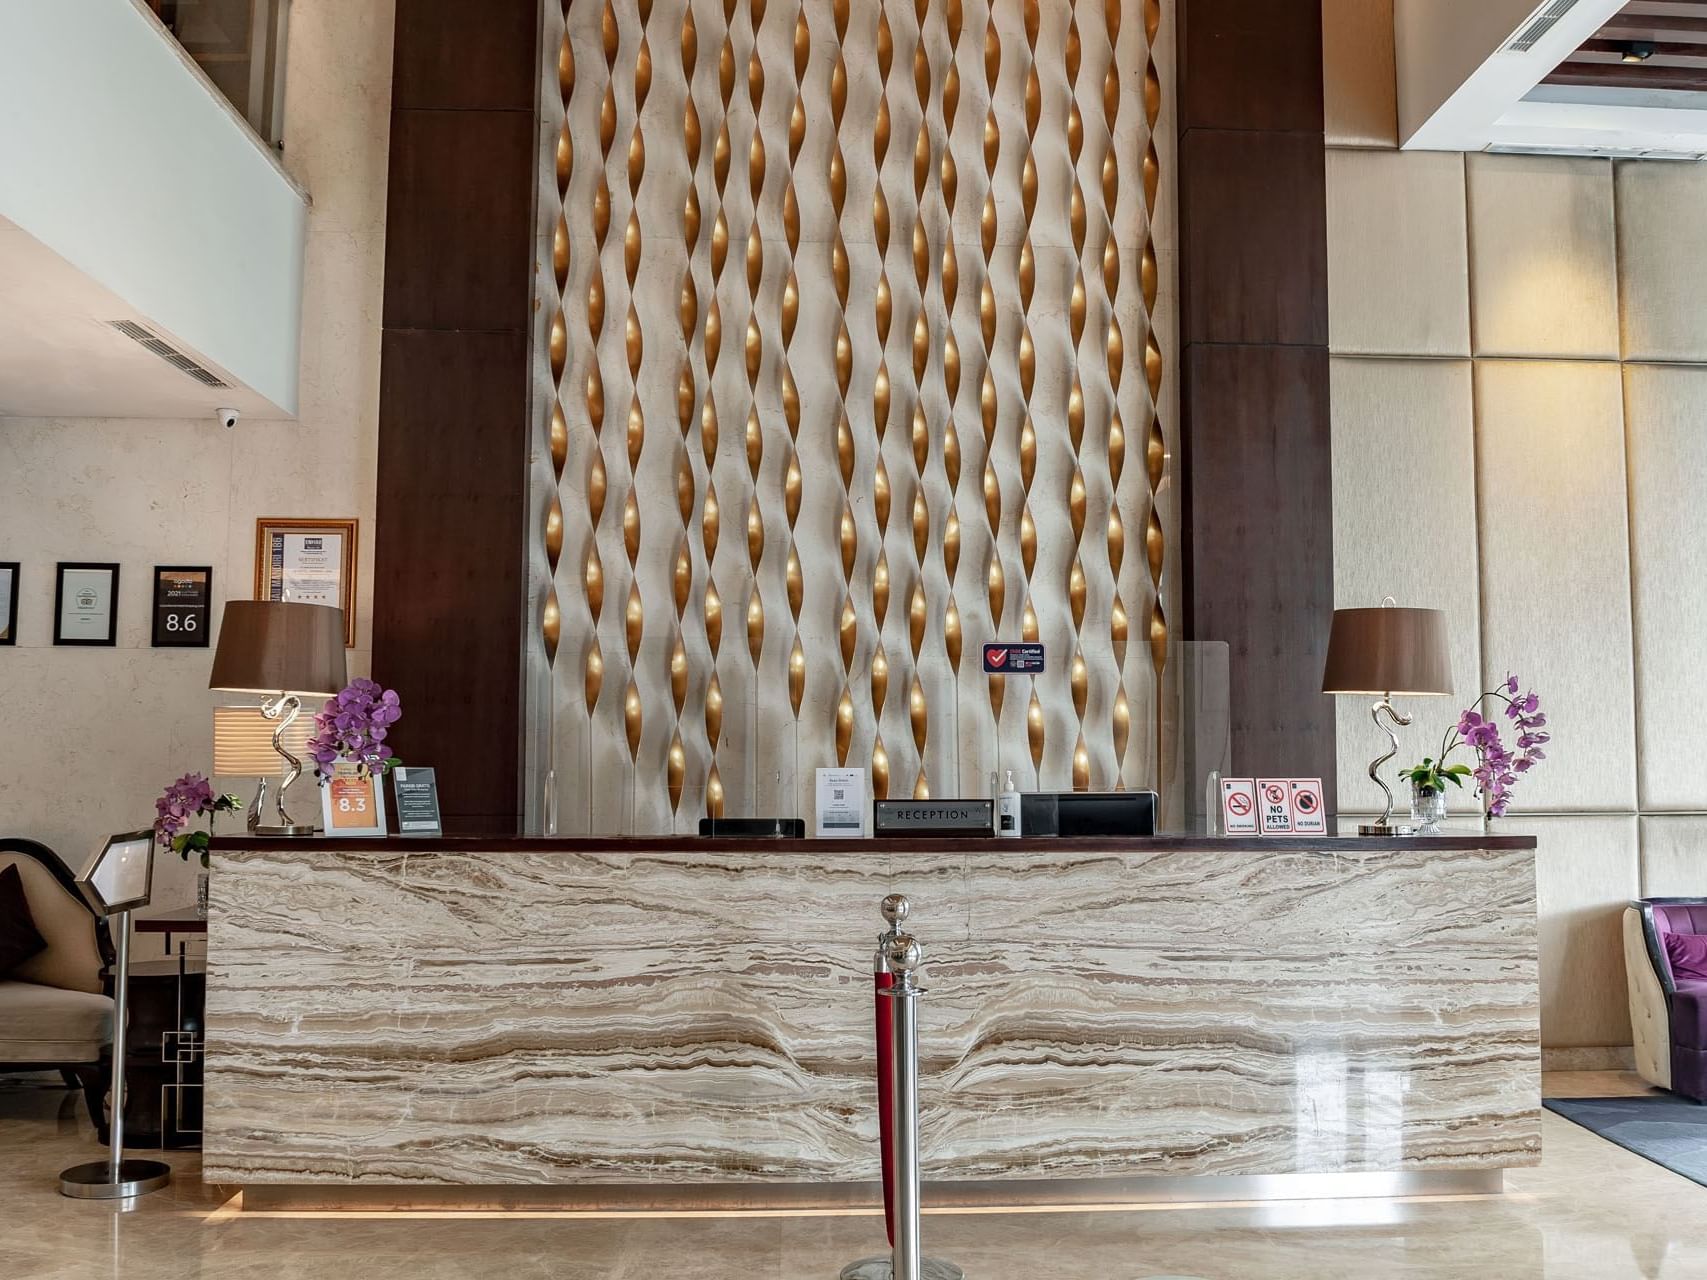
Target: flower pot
[1428,807]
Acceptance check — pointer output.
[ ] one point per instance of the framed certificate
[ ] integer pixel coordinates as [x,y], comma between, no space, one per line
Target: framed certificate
[308,561]
[352,803]
[86,604]
[8,602]
[181,596]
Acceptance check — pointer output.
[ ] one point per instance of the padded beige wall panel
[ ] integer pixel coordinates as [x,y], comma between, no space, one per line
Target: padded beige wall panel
[1541,244]
[1585,872]
[1666,411]
[1398,275]
[1405,525]
[1358,101]
[1662,259]
[1556,569]
[1674,857]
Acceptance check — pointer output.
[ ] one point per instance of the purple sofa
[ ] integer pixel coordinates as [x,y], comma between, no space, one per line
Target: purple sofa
[1679,1061]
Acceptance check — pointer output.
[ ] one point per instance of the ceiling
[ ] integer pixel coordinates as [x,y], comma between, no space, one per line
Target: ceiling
[60,357]
[1550,76]
[1648,45]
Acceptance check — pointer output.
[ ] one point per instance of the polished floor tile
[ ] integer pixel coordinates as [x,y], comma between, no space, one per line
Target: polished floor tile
[1589,1212]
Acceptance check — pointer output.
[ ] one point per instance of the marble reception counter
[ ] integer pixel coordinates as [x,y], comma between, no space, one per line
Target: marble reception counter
[490,1013]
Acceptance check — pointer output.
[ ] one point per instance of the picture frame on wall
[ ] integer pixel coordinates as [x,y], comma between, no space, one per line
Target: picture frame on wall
[308,561]
[9,571]
[86,603]
[183,596]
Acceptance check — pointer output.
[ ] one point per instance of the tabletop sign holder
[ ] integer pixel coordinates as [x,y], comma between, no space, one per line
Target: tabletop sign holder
[1309,813]
[1273,807]
[1239,807]
[351,802]
[841,803]
[416,791]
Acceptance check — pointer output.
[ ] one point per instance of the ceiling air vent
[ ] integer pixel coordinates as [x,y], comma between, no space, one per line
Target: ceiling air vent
[167,352]
[1539,24]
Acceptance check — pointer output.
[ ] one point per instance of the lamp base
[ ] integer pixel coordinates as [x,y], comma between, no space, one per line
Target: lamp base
[93,1181]
[1378,829]
[287,829]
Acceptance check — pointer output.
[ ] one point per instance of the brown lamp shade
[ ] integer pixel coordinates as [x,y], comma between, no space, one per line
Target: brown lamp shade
[1381,651]
[272,646]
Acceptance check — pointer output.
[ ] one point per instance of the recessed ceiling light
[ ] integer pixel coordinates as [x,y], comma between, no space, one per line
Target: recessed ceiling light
[1637,51]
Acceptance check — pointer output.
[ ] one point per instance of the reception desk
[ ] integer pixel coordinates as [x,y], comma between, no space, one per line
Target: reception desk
[647,1019]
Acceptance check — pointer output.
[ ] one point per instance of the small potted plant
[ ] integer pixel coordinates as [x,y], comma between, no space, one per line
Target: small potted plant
[1498,767]
[191,796]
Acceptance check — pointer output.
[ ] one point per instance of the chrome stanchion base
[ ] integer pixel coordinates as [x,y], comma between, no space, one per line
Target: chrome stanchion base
[93,1181]
[882,1269]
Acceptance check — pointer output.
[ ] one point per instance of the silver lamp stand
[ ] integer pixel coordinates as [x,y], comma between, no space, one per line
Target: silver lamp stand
[284,709]
[116,1178]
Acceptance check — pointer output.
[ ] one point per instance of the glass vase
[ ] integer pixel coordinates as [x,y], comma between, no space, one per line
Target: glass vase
[1428,807]
[201,894]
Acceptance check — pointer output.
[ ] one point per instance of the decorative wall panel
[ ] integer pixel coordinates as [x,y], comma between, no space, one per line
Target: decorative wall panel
[842,306]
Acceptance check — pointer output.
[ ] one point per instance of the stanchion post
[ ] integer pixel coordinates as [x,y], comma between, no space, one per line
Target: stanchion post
[899,955]
[903,997]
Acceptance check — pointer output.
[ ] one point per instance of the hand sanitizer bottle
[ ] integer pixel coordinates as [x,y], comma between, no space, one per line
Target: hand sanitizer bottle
[1007,808]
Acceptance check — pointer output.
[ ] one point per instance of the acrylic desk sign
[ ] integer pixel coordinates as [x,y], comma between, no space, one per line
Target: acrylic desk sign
[352,803]
[416,791]
[841,803]
[1274,806]
[1309,816]
[1238,806]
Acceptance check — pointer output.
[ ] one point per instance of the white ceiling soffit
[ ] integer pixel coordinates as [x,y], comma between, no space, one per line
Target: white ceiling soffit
[1470,73]
[61,355]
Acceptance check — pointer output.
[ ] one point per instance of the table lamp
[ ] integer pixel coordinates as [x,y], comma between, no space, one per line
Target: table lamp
[1380,653]
[283,650]
[117,880]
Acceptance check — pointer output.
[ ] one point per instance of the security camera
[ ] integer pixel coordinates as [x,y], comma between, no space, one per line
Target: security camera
[227,417]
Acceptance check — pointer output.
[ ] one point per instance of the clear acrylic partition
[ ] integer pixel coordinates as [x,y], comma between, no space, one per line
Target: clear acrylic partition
[1194,718]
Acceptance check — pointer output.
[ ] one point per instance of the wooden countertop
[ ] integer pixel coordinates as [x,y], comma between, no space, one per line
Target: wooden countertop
[934,844]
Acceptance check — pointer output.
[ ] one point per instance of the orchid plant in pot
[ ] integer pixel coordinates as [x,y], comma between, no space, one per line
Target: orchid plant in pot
[191,796]
[1498,769]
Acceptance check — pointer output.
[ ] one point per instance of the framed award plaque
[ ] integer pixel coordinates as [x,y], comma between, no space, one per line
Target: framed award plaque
[8,602]
[182,596]
[308,561]
[86,603]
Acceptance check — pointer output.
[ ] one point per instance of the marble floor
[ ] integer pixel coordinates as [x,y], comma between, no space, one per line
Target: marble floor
[1590,1210]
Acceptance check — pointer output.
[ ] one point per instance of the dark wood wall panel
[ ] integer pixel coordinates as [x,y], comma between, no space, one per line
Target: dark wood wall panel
[1256,447]
[449,592]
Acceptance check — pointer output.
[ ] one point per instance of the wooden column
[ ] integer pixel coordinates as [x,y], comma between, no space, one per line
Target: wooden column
[1255,445]
[449,588]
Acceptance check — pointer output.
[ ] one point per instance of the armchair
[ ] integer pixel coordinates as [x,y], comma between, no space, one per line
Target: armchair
[56,1011]
[1668,1009]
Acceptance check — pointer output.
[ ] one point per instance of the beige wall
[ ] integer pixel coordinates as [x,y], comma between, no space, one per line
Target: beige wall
[88,737]
[620,728]
[1520,438]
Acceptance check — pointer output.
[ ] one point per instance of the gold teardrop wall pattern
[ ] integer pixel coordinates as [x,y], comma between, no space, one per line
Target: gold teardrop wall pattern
[989,401]
[557,430]
[981,145]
